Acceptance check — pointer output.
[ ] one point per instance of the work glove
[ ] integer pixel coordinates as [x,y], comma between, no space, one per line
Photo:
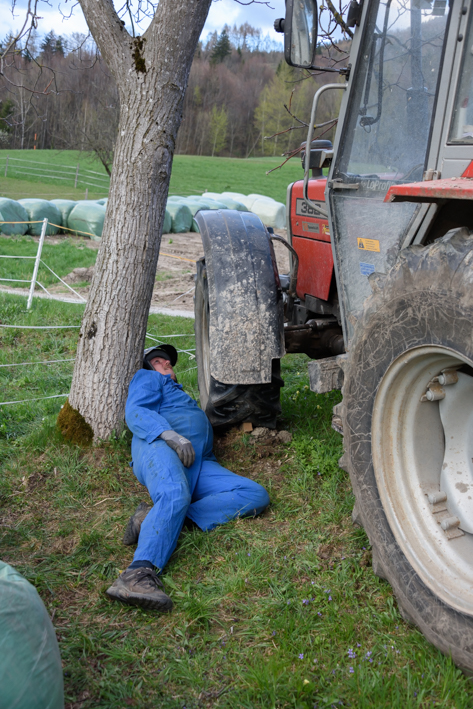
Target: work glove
[183,447]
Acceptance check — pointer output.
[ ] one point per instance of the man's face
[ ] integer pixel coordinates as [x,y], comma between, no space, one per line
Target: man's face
[163,366]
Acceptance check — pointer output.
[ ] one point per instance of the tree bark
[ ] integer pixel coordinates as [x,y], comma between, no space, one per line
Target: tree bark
[151,73]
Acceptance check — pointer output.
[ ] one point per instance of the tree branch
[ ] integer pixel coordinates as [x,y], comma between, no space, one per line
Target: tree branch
[109,33]
[339,19]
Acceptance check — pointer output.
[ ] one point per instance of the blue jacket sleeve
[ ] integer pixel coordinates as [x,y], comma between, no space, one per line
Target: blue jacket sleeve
[144,398]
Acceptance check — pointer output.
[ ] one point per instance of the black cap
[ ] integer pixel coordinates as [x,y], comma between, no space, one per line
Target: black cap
[166,351]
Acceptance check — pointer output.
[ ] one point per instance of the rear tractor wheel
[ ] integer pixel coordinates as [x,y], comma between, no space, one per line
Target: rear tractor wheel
[407,415]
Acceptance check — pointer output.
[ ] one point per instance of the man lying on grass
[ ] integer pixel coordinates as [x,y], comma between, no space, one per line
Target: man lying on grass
[172,456]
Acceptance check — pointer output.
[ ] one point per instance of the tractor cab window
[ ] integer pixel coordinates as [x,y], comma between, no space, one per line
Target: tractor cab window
[461,129]
[387,136]
[384,139]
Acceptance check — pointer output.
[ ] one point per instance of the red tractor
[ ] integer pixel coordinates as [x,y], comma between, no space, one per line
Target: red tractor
[380,295]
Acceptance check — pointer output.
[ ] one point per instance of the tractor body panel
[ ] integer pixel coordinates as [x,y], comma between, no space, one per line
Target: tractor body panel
[310,237]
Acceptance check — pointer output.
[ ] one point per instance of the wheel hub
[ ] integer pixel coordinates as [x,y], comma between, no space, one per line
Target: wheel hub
[423,461]
[456,478]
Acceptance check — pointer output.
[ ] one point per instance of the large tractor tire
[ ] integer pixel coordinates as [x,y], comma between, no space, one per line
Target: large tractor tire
[407,414]
[229,404]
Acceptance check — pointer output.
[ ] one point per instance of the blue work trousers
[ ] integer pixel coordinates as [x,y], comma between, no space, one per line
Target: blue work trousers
[206,493]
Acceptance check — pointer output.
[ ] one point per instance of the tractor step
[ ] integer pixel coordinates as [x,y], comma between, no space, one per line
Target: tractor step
[326,374]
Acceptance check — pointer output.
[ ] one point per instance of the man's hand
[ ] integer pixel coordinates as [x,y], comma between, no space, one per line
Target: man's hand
[183,447]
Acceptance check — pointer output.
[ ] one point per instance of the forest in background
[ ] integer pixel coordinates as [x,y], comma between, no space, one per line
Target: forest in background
[57,93]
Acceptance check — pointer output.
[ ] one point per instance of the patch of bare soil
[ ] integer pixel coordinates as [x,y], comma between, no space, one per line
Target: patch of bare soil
[256,457]
[174,285]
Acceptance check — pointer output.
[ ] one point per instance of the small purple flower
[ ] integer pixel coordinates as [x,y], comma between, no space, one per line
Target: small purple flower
[301,656]
[351,670]
[358,645]
[305,601]
[274,632]
[330,598]
[319,613]
[249,554]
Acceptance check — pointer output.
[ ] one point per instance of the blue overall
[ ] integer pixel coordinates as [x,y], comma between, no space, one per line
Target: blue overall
[206,493]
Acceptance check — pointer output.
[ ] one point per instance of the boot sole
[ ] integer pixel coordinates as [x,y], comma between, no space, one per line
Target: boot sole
[163,605]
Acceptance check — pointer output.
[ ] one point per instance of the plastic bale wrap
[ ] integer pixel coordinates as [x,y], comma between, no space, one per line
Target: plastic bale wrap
[65,206]
[39,209]
[13,212]
[260,196]
[103,201]
[167,223]
[213,204]
[181,217]
[229,202]
[194,205]
[270,212]
[87,219]
[242,198]
[30,666]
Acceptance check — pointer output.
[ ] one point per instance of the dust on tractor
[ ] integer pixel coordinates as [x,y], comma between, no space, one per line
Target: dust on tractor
[379,295]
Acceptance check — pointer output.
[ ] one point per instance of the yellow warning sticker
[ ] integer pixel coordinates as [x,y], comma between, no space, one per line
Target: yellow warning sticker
[368,244]
[325,229]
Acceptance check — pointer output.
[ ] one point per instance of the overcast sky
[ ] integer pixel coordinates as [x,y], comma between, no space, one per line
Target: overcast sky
[221,12]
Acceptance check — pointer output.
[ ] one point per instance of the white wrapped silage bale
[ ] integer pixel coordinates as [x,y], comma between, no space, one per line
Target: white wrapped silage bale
[270,212]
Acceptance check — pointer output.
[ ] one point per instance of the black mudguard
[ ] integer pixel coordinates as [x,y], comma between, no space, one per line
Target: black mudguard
[246,327]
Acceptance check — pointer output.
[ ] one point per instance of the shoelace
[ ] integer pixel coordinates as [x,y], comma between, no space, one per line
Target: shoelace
[148,578]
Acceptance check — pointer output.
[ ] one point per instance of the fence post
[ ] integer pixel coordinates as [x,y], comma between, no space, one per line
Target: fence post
[36,263]
[6,166]
[77,176]
[86,192]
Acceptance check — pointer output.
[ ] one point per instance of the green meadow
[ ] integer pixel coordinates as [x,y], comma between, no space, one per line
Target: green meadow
[281,611]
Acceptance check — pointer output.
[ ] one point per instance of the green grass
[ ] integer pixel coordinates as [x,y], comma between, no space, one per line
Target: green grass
[62,258]
[190,175]
[278,611]
[50,174]
[233,175]
[21,189]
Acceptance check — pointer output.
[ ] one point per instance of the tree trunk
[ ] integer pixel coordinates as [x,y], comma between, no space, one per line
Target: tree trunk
[151,73]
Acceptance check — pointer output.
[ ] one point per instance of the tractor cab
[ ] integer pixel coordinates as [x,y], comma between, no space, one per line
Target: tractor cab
[406,117]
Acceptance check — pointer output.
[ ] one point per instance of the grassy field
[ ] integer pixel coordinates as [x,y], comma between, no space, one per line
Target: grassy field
[62,258]
[190,175]
[274,612]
